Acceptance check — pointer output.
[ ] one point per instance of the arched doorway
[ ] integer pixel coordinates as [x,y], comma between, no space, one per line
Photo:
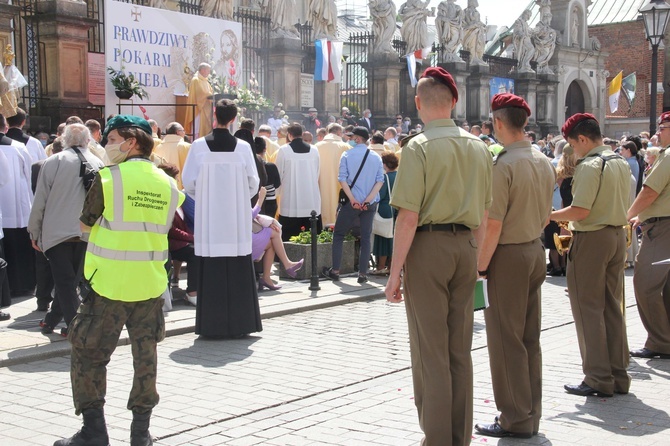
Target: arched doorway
[574,100]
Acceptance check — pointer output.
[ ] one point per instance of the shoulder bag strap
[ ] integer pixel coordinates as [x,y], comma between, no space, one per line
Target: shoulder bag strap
[83,160]
[367,152]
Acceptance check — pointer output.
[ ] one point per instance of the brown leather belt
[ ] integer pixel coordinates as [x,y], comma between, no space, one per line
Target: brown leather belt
[453,227]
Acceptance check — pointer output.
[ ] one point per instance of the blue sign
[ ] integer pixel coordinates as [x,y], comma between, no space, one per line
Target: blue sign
[500,85]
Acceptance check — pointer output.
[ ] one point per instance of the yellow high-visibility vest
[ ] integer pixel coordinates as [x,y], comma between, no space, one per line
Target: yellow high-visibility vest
[128,246]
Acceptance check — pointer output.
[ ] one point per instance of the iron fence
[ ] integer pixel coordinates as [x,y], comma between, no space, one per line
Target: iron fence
[255,46]
[355,93]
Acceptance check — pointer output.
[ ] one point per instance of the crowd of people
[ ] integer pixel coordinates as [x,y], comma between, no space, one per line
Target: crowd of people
[95,204]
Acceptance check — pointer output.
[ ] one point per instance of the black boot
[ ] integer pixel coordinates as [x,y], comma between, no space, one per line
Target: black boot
[139,429]
[92,433]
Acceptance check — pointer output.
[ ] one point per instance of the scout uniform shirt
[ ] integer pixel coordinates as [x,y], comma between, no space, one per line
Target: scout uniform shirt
[521,176]
[605,192]
[440,176]
[658,180]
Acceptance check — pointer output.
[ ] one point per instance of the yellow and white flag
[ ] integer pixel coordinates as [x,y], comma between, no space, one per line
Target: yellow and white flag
[614,91]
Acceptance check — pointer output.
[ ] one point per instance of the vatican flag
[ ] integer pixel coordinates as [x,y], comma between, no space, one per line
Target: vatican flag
[614,91]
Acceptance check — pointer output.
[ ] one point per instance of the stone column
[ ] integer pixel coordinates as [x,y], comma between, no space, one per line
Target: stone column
[525,86]
[7,13]
[478,94]
[460,74]
[547,103]
[327,98]
[384,85]
[284,63]
[64,26]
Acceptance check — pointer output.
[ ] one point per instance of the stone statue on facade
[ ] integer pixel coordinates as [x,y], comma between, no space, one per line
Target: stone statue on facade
[574,29]
[474,33]
[282,18]
[523,45]
[544,40]
[218,9]
[323,17]
[383,14]
[414,31]
[449,24]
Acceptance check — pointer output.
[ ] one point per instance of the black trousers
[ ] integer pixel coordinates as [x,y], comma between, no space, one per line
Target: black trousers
[67,261]
[45,280]
[187,254]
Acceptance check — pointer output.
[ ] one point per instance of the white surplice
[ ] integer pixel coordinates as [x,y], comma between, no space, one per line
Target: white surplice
[35,149]
[222,184]
[16,195]
[299,173]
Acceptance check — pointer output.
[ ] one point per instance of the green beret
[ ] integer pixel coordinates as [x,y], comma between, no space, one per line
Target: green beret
[124,121]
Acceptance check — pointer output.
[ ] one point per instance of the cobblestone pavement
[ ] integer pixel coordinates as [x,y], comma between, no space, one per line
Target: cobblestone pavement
[334,376]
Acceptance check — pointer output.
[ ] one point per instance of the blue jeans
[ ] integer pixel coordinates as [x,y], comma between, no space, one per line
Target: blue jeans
[345,220]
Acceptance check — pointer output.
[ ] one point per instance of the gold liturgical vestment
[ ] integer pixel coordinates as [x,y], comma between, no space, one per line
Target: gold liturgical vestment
[199,92]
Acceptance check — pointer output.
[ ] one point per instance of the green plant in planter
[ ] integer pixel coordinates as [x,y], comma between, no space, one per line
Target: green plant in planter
[326,236]
[127,83]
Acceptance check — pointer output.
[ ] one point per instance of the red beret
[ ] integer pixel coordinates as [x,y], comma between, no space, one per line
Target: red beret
[442,76]
[506,100]
[573,120]
[665,117]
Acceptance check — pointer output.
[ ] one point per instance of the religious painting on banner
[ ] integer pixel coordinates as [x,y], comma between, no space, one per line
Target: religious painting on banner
[500,85]
[163,49]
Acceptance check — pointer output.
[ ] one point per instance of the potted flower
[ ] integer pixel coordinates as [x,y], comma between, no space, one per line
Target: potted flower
[125,85]
[300,247]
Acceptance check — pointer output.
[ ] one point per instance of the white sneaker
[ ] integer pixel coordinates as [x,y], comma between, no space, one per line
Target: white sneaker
[193,300]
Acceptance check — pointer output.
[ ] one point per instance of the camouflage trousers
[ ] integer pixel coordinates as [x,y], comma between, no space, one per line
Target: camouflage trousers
[94,334]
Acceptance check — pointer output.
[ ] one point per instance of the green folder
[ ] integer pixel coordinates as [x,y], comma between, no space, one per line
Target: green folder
[481,295]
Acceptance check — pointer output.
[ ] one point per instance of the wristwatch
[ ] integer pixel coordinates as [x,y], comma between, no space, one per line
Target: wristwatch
[483,273]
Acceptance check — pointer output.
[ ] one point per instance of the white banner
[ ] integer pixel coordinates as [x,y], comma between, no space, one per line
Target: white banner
[163,49]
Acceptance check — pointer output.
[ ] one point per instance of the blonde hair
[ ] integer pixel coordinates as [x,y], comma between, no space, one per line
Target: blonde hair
[566,166]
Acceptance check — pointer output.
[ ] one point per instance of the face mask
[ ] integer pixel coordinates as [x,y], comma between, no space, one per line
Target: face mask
[44,142]
[115,154]
[352,143]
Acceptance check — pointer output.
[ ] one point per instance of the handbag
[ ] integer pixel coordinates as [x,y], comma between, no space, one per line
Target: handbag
[383,226]
[86,171]
[343,199]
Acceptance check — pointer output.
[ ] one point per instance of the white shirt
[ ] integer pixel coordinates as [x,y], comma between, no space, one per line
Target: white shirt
[274,124]
[222,184]
[16,196]
[299,173]
[4,177]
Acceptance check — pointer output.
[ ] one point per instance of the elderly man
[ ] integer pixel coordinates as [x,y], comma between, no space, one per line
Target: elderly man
[651,211]
[600,190]
[265,132]
[435,245]
[173,148]
[330,151]
[367,122]
[390,140]
[200,93]
[54,225]
[154,132]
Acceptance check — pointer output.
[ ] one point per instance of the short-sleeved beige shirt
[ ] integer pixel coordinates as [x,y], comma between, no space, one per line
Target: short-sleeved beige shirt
[523,186]
[606,193]
[659,181]
[444,176]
